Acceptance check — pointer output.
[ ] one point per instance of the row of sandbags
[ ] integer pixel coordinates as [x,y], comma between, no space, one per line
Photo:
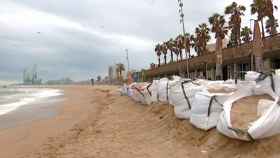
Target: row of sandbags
[207,104]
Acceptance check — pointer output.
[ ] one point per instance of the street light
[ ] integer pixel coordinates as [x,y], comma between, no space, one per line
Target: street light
[182,21]
[127,59]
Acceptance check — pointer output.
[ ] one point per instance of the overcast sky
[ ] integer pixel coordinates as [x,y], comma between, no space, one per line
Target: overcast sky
[80,39]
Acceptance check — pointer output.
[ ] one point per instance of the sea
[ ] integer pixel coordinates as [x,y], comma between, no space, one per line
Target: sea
[14,98]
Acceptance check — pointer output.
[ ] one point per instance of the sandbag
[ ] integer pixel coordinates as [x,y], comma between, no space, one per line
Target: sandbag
[265,82]
[207,108]
[181,96]
[124,90]
[163,90]
[141,92]
[154,91]
[265,126]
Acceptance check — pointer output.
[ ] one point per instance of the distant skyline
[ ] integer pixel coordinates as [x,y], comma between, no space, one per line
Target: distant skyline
[80,39]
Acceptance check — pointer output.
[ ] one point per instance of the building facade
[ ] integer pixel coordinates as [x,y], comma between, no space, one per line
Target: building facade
[236,62]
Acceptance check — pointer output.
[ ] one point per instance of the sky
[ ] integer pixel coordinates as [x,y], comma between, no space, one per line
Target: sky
[80,39]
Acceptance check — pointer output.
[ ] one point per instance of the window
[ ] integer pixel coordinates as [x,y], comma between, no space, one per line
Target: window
[243,68]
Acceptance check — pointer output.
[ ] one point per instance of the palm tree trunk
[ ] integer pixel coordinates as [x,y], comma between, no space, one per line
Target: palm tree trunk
[171,56]
[159,61]
[238,36]
[187,54]
[181,55]
[219,64]
[263,34]
[164,58]
[259,64]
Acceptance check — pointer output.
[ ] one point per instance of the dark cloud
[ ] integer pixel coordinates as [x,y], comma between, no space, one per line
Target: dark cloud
[79,39]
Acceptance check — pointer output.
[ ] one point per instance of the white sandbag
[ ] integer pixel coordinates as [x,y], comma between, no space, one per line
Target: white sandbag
[176,80]
[182,94]
[124,90]
[163,90]
[141,93]
[154,90]
[207,108]
[147,93]
[251,76]
[134,92]
[277,72]
[267,83]
[276,79]
[267,125]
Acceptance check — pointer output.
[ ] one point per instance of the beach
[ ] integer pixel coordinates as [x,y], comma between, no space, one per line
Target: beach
[27,136]
[96,122]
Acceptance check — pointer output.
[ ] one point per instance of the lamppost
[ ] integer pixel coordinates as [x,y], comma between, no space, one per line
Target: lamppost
[127,59]
[182,21]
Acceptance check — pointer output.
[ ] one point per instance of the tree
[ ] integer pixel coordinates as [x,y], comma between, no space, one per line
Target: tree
[120,69]
[170,44]
[271,26]
[271,23]
[232,41]
[180,45]
[187,44]
[246,34]
[235,11]
[201,38]
[218,21]
[164,51]
[259,7]
[158,52]
[195,44]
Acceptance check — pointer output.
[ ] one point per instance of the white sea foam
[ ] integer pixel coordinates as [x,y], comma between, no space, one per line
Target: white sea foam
[25,96]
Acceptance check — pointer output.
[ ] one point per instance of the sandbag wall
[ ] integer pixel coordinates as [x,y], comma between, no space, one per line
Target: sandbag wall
[208,104]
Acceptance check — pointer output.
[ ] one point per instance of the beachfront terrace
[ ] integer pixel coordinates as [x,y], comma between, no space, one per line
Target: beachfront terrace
[206,62]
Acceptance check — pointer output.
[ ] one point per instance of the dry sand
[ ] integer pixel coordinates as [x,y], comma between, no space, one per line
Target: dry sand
[244,111]
[110,126]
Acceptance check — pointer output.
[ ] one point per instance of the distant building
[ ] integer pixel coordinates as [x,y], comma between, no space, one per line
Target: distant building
[30,76]
[114,75]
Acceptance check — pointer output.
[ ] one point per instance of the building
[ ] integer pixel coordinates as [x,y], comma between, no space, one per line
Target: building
[116,73]
[235,61]
[30,76]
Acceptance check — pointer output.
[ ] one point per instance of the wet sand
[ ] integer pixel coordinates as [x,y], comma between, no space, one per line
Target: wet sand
[28,135]
[99,123]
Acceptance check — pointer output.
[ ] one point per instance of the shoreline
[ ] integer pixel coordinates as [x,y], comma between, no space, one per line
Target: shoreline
[27,136]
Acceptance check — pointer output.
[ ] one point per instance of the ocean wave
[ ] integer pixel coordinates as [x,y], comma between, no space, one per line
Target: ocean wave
[25,96]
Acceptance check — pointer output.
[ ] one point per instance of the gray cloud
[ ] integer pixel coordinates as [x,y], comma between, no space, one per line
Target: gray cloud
[79,39]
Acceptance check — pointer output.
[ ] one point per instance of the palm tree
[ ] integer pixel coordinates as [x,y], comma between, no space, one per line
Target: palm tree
[180,45]
[201,38]
[177,52]
[259,7]
[218,21]
[170,44]
[187,44]
[195,45]
[158,52]
[120,69]
[235,11]
[271,23]
[271,26]
[164,51]
[246,34]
